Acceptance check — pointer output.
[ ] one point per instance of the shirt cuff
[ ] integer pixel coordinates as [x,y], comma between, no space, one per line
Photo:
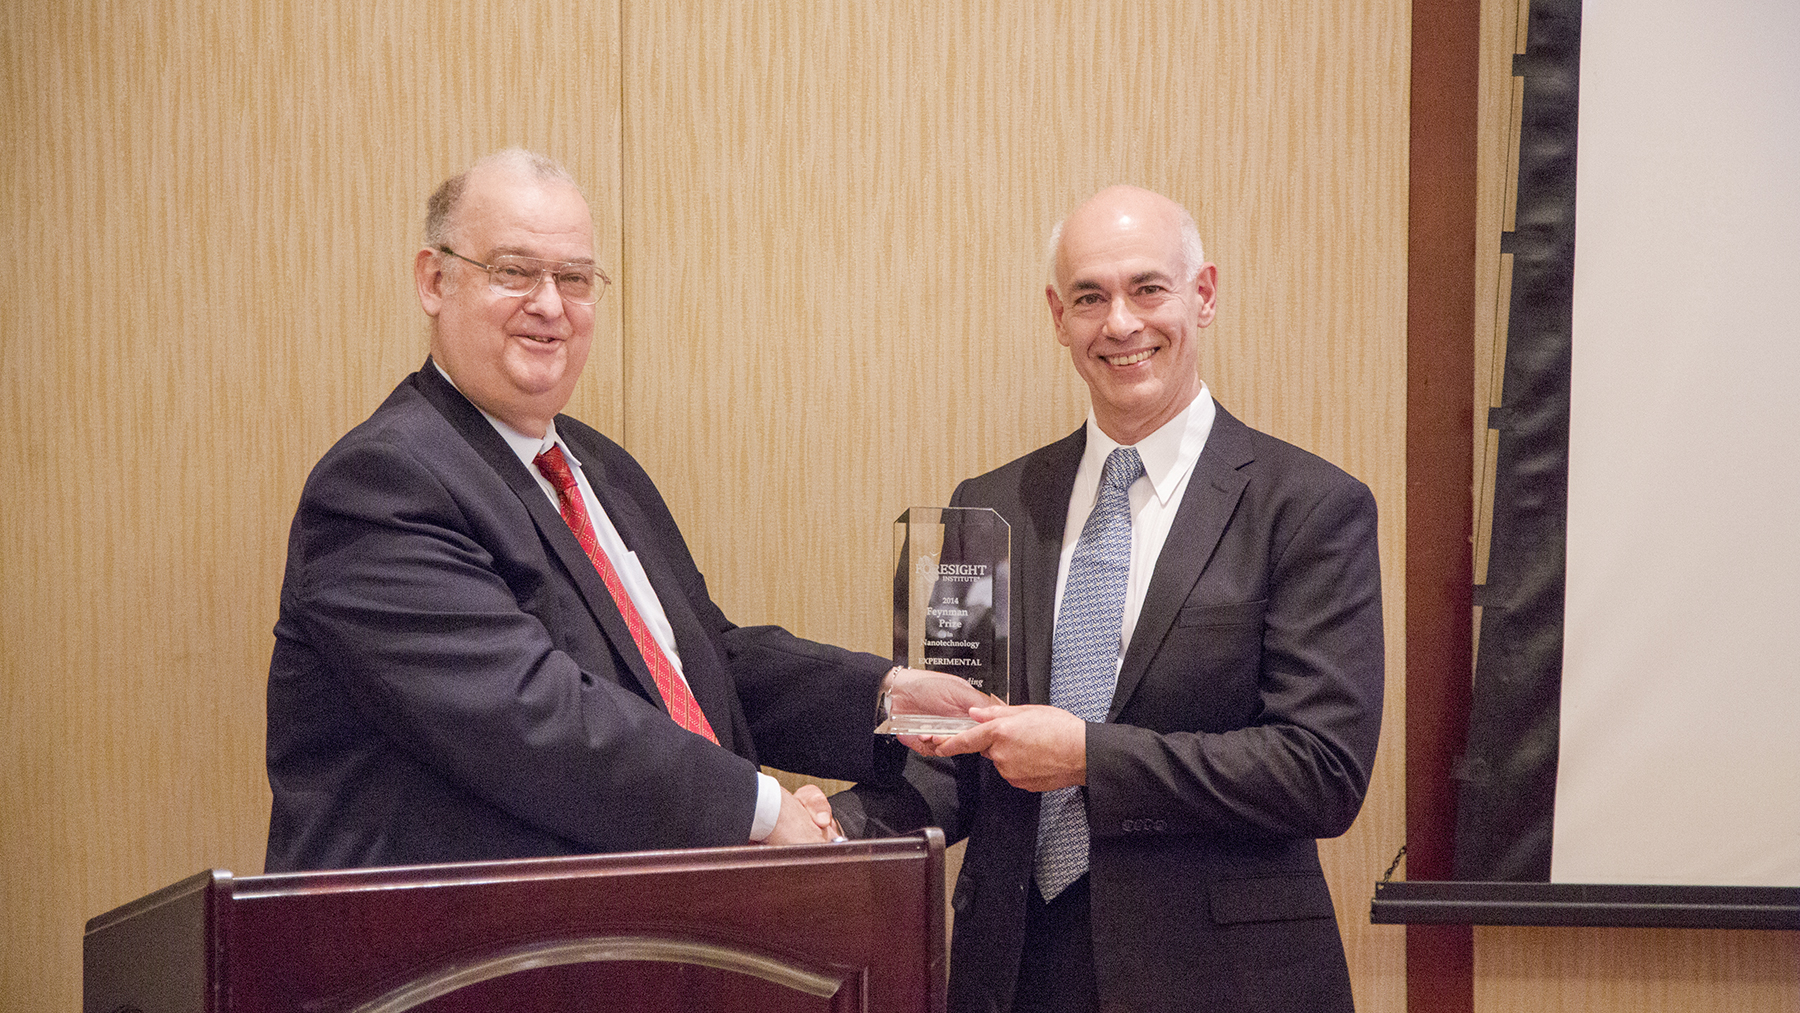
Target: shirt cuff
[768,807]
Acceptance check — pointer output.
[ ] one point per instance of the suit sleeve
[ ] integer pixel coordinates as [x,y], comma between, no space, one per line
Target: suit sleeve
[394,584]
[809,707]
[1303,669]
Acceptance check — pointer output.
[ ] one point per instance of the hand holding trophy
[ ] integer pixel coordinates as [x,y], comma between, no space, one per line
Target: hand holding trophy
[952,596]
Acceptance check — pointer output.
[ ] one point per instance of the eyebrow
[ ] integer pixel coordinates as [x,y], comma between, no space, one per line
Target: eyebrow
[514,251]
[1083,285]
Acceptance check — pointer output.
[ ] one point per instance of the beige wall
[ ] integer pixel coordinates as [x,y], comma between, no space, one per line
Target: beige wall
[826,221]
[211,218]
[853,207]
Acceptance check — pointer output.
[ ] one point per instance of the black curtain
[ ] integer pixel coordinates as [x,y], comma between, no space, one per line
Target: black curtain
[1507,773]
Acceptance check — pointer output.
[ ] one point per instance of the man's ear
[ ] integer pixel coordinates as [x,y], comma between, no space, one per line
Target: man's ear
[428,275]
[1056,313]
[1206,286]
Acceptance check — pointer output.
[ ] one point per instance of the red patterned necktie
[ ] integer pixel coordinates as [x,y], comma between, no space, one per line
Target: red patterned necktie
[682,705]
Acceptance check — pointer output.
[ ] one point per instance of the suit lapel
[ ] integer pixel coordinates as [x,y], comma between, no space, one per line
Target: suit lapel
[1206,507]
[691,641]
[1047,513]
[554,531]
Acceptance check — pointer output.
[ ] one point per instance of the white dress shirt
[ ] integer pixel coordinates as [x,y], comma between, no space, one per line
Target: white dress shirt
[1168,455]
[631,574]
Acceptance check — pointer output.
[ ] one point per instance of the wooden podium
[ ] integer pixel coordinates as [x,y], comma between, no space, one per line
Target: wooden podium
[840,927]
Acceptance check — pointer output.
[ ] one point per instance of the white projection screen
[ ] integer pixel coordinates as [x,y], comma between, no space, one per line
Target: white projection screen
[1679,749]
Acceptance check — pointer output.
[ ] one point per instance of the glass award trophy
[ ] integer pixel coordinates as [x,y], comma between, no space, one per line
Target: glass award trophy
[952,585]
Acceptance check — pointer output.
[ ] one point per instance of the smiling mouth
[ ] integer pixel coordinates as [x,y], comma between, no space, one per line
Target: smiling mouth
[1129,359]
[542,339]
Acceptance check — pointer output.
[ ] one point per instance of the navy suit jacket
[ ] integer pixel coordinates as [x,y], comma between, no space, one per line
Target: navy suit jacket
[1243,728]
[452,681]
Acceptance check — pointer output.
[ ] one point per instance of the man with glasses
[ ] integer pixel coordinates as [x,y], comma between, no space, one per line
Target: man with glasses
[493,642]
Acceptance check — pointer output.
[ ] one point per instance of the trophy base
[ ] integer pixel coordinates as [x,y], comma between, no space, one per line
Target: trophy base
[923,724]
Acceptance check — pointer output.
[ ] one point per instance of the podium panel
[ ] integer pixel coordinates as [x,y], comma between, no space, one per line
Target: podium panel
[853,926]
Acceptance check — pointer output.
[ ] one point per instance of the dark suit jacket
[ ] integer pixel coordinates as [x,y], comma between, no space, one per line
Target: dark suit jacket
[451,680]
[1243,728]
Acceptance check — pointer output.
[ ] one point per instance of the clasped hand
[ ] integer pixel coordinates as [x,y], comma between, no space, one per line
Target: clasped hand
[805,818]
[1035,747]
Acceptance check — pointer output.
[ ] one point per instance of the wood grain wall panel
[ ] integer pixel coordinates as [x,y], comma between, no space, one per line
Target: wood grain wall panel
[213,212]
[827,220]
[835,227]
[1501,94]
[1581,970]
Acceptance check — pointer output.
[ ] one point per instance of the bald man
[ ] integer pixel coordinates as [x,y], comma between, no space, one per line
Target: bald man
[1200,642]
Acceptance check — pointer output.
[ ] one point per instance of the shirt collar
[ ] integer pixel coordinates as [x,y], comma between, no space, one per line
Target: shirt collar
[529,447]
[1168,453]
[526,447]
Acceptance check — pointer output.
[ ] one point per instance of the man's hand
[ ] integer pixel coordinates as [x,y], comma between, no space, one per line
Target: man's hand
[1034,747]
[915,691]
[805,818]
[814,799]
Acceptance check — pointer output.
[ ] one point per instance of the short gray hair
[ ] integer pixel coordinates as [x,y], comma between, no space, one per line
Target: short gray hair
[440,209]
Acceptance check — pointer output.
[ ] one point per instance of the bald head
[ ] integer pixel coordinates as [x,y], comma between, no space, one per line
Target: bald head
[1124,206]
[1130,294]
[516,356]
[447,199]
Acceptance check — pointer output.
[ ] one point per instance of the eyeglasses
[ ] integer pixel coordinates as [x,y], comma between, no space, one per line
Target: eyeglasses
[583,284]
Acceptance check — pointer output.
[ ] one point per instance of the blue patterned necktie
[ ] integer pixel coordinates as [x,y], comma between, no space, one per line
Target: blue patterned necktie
[1084,657]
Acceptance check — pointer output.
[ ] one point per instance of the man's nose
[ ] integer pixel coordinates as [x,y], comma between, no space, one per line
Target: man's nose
[546,299]
[1121,322]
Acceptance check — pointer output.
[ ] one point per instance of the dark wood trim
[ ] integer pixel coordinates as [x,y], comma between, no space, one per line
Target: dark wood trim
[1440,426]
[837,927]
[1609,905]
